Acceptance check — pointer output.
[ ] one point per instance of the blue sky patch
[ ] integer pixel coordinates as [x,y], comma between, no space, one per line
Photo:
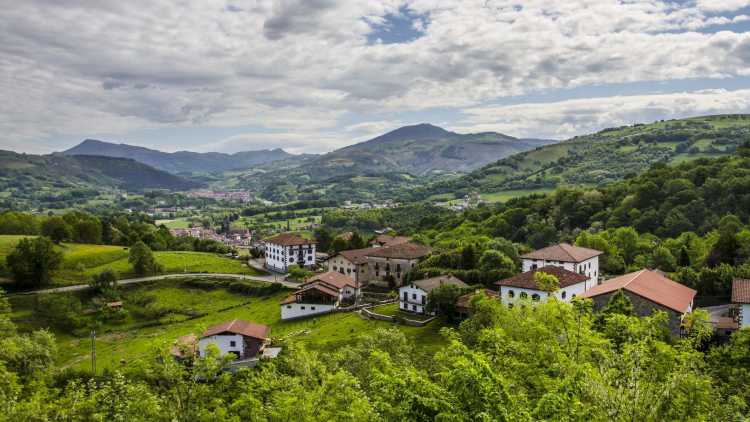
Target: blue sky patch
[402,27]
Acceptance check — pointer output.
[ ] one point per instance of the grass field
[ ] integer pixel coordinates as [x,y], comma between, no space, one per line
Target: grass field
[132,339]
[177,223]
[81,261]
[510,194]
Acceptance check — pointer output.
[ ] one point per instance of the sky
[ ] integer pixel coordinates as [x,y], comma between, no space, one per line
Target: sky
[311,76]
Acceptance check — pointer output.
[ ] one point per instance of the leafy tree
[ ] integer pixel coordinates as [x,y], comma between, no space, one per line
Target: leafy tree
[104,281]
[143,260]
[546,282]
[57,229]
[442,299]
[299,273]
[468,257]
[662,259]
[32,262]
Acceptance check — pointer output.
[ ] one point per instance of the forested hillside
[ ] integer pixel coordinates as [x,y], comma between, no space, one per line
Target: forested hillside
[606,156]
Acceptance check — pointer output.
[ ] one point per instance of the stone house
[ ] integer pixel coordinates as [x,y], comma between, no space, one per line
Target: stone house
[389,264]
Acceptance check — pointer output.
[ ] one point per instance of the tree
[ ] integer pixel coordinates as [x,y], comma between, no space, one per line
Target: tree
[468,257]
[32,262]
[546,282]
[443,299]
[619,304]
[299,273]
[57,229]
[142,260]
[663,259]
[104,281]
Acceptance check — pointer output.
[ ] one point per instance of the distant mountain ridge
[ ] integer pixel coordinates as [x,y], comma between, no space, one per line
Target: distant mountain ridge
[181,161]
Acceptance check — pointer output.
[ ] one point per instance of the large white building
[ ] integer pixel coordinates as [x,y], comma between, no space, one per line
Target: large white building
[573,258]
[524,286]
[243,339]
[413,297]
[288,249]
[320,294]
[741,299]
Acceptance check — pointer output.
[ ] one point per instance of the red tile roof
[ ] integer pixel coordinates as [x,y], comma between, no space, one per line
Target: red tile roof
[334,278]
[387,240]
[564,252]
[464,301]
[402,251]
[238,326]
[526,280]
[289,239]
[650,285]
[429,284]
[740,290]
[357,256]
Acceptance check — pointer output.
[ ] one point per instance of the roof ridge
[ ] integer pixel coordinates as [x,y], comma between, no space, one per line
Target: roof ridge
[564,246]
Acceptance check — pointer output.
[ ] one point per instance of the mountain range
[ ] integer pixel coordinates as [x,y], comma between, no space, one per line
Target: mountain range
[181,161]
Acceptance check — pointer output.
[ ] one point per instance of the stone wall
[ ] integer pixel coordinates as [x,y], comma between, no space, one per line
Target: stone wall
[643,307]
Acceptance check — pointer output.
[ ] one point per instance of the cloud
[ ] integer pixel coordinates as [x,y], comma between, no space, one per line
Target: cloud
[565,119]
[305,66]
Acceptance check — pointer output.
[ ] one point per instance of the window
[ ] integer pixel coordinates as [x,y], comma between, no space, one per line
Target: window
[406,295]
[524,295]
[535,297]
[563,294]
[312,308]
[289,306]
[511,293]
[302,307]
[232,343]
[414,296]
[533,266]
[414,308]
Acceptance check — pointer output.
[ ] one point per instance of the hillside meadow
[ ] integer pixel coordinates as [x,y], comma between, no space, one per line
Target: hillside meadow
[81,261]
[158,313]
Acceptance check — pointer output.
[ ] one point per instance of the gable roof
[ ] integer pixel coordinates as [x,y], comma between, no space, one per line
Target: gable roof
[334,278]
[527,281]
[387,240]
[429,284]
[404,251]
[289,239]
[740,290]
[238,326]
[650,285]
[357,256]
[564,252]
[464,301]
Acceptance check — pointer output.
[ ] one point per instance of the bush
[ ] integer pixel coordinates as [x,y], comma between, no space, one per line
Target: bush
[60,310]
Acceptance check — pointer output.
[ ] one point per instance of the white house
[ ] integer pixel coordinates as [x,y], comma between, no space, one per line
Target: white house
[524,286]
[741,299]
[413,297]
[573,258]
[320,294]
[289,249]
[243,339]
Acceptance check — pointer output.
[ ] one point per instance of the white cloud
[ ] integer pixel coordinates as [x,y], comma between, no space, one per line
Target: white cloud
[564,119]
[301,66]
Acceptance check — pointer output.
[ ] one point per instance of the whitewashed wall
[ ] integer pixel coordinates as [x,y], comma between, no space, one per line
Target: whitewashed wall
[414,302]
[223,342]
[745,315]
[589,267]
[298,310]
[570,292]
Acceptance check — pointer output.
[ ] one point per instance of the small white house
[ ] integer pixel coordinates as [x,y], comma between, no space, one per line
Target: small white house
[741,299]
[320,294]
[524,286]
[289,249]
[413,297]
[243,339]
[573,258]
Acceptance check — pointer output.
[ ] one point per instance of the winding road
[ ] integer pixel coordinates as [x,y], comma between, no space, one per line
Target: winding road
[261,278]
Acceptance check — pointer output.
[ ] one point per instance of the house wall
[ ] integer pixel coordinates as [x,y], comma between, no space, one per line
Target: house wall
[379,268]
[744,315]
[643,307]
[569,292]
[223,341]
[589,267]
[299,310]
[280,257]
[416,299]
[357,273]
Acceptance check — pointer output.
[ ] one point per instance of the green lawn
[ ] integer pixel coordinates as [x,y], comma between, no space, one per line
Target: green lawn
[510,194]
[131,340]
[178,223]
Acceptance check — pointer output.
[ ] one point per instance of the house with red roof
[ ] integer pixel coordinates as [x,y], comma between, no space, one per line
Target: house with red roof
[243,339]
[649,291]
[573,258]
[288,249]
[352,263]
[741,300]
[524,285]
[320,294]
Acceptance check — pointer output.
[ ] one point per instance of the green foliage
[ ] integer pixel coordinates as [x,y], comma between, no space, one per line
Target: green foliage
[442,300]
[63,311]
[33,261]
[546,282]
[299,273]
[104,281]
[57,229]
[142,260]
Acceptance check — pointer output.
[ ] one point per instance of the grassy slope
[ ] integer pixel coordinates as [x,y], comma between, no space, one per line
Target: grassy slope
[80,261]
[606,156]
[130,341]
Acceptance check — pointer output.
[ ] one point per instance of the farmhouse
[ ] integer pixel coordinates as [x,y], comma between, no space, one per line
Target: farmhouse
[289,249]
[741,300]
[353,263]
[524,285]
[413,297]
[241,338]
[387,265]
[387,240]
[319,294]
[648,291]
[572,258]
